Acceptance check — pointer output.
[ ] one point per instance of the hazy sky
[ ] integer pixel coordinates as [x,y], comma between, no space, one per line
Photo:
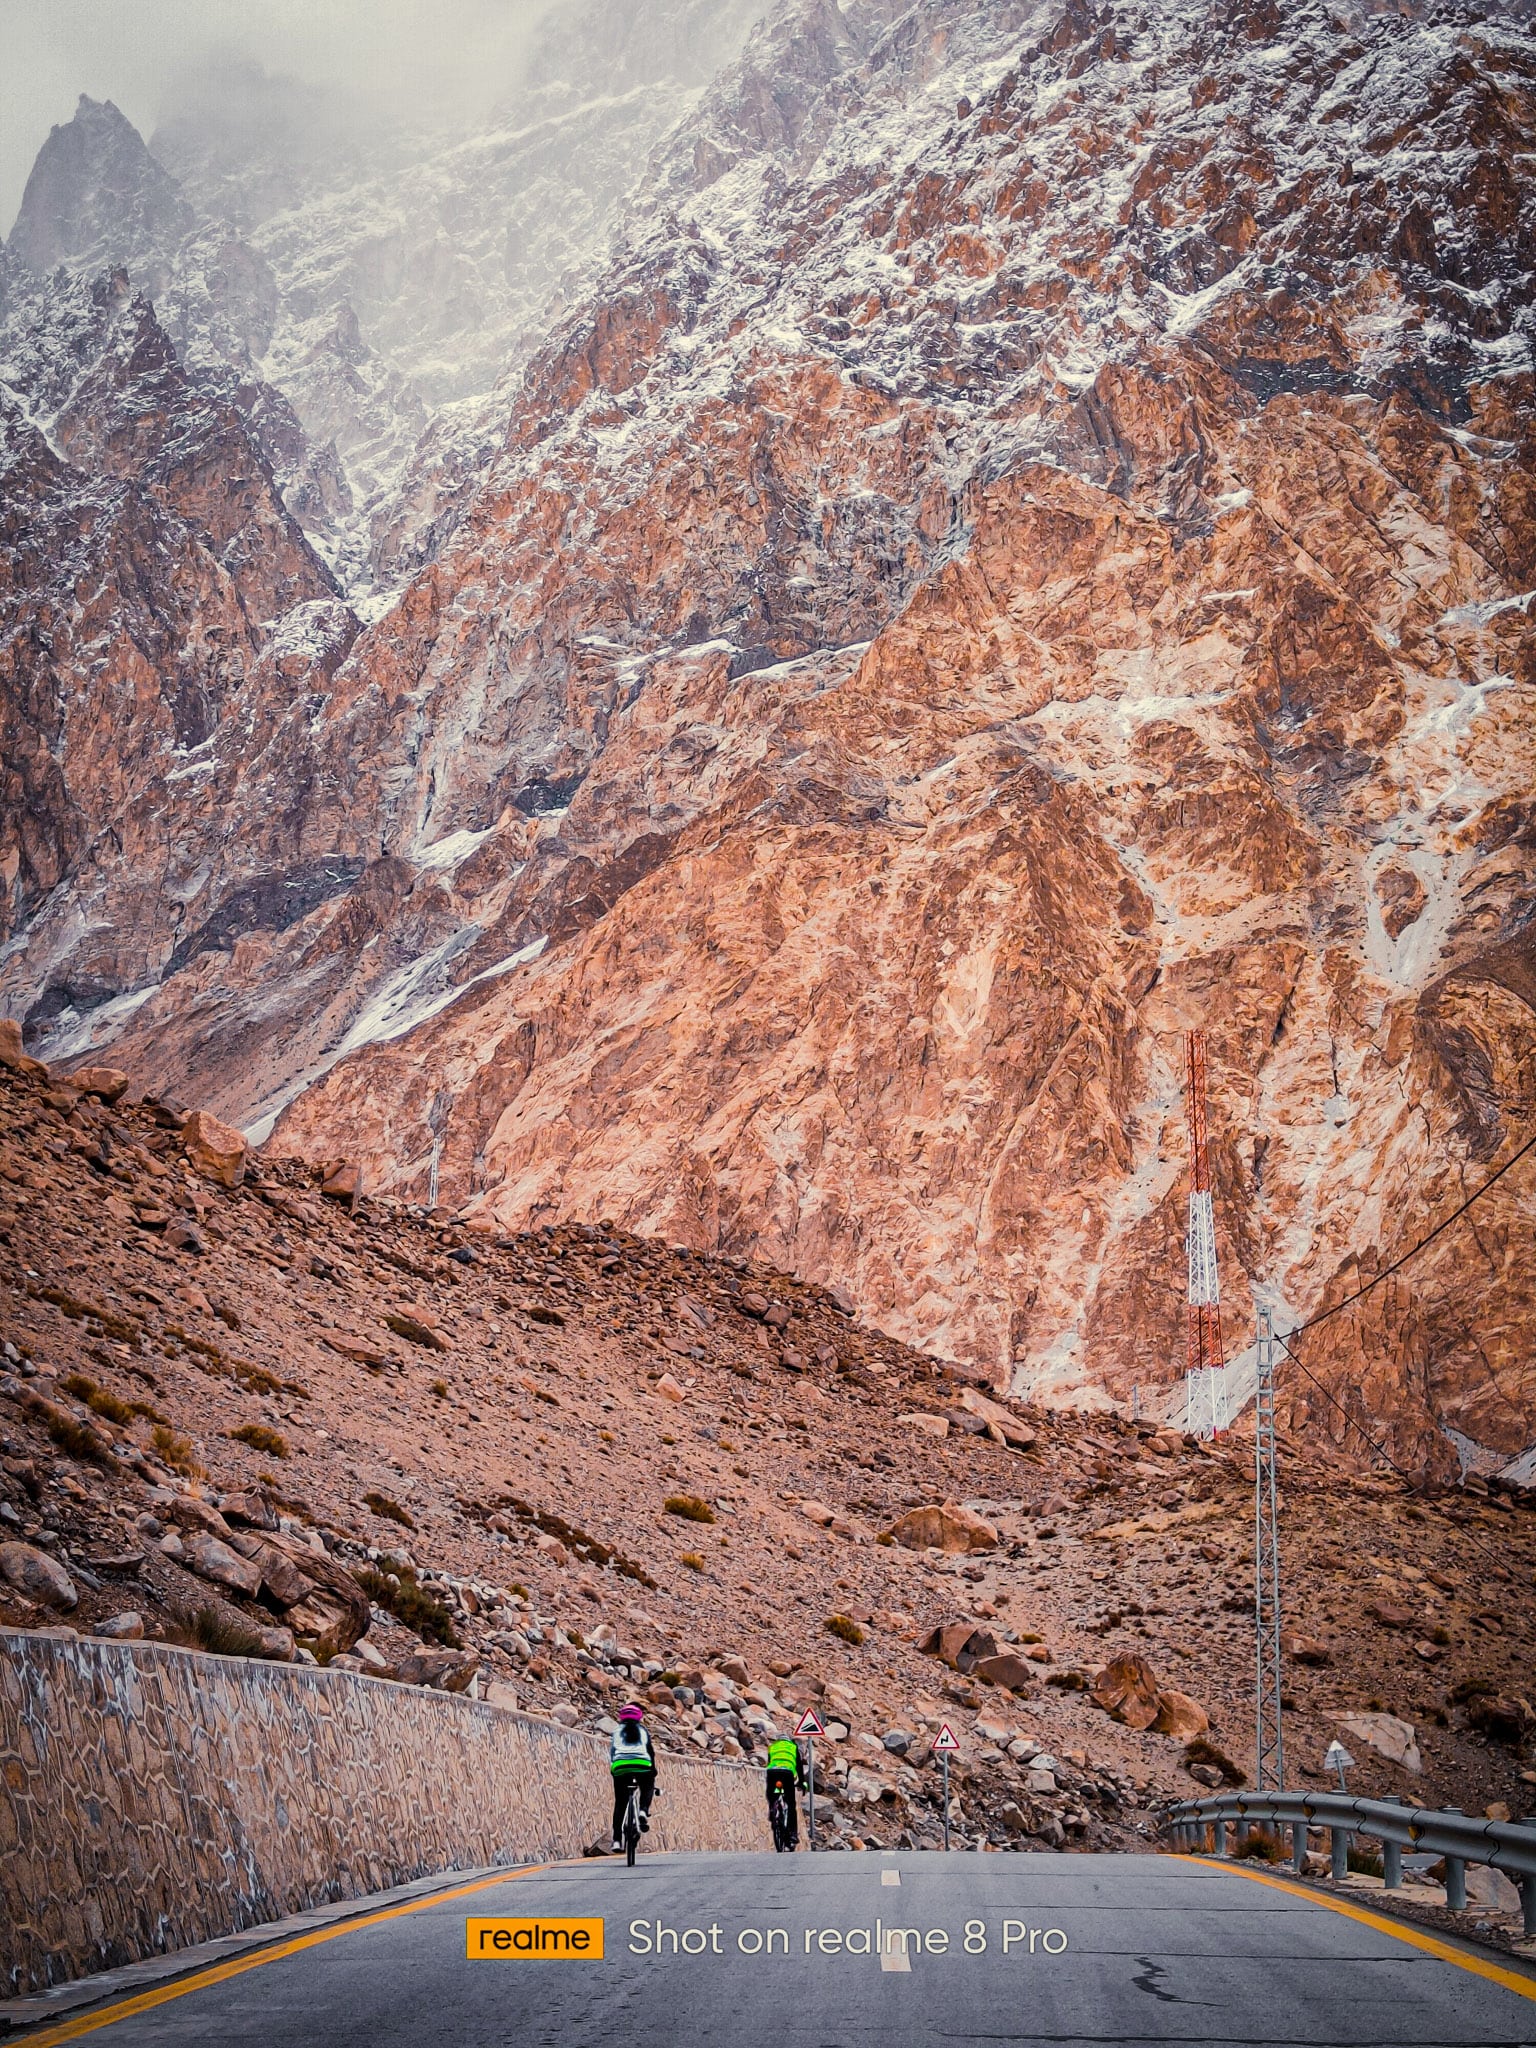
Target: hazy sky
[134,51]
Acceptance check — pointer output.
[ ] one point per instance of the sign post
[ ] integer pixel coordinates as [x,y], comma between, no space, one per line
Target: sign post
[945,1746]
[809,1727]
[1339,1759]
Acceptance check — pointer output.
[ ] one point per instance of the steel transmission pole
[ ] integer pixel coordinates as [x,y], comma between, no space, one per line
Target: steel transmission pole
[1269,1744]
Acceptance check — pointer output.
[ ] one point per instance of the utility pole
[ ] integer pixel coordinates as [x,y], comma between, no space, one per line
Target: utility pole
[1269,1745]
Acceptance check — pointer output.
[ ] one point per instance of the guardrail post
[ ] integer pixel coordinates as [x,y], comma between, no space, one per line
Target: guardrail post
[1221,1838]
[1528,1902]
[1456,1883]
[1391,1864]
[1298,1845]
[1339,1848]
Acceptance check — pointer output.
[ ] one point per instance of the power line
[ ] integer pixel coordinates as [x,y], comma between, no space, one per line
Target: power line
[1414,1483]
[1327,1393]
[1414,1250]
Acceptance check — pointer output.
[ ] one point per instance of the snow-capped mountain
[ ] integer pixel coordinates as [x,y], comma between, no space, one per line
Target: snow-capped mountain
[1024,548]
[382,278]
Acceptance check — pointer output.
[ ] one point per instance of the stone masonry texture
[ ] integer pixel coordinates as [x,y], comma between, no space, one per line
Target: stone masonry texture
[155,1798]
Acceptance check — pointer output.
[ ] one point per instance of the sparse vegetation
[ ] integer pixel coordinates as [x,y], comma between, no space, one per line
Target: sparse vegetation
[75,1439]
[440,1390]
[1262,1846]
[689,1506]
[122,1329]
[844,1629]
[223,1634]
[260,1438]
[1202,1752]
[176,1451]
[100,1399]
[692,1560]
[1366,1861]
[410,1603]
[389,1510]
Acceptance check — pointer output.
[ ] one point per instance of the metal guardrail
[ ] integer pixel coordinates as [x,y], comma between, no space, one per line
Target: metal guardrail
[1458,1837]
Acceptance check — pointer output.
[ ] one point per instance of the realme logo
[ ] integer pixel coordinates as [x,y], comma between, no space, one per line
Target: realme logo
[533,1940]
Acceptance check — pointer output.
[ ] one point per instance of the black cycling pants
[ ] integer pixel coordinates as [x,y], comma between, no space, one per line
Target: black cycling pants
[785,1779]
[622,1780]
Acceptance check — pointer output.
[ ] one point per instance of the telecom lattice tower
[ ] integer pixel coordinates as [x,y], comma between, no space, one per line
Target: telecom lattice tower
[1269,1744]
[1205,1380]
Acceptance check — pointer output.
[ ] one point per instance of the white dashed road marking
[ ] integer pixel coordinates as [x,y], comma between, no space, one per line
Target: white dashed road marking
[890,1877]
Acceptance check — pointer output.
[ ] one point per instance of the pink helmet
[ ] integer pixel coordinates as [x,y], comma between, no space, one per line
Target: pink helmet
[631,1713]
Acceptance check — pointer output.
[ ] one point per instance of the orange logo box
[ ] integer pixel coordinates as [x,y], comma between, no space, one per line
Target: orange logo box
[540,1940]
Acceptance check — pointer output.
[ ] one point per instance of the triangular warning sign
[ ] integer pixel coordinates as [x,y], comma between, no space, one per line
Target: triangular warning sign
[945,1739]
[809,1723]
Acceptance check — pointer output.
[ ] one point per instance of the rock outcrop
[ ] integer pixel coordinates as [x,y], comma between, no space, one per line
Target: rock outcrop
[1026,552]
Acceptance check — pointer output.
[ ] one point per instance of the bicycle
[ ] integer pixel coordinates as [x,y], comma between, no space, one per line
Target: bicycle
[629,1834]
[778,1816]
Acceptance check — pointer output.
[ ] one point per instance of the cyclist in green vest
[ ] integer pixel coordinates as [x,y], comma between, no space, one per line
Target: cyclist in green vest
[785,1771]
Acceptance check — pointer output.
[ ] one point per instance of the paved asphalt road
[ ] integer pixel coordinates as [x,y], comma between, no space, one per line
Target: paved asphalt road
[1147,1950]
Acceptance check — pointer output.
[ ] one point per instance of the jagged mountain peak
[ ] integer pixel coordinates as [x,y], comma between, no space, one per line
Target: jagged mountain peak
[97,197]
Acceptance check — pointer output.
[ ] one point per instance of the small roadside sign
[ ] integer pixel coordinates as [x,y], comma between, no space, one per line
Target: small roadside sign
[1337,1758]
[944,1742]
[809,1723]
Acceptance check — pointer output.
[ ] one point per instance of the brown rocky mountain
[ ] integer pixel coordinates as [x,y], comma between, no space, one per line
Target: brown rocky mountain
[239,1411]
[1027,552]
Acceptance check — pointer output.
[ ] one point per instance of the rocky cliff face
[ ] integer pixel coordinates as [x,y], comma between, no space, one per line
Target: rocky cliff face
[1027,552]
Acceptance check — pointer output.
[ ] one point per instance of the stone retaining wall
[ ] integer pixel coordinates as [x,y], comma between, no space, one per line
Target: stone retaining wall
[154,1798]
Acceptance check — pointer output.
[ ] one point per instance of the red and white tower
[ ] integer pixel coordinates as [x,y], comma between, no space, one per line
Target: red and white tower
[1205,1386]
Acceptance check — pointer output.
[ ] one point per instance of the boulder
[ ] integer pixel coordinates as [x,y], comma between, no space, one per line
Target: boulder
[669,1389]
[121,1628]
[211,1559]
[1388,1736]
[776,1316]
[417,1326]
[250,1510]
[929,1425]
[735,1669]
[1127,1690]
[949,1640]
[214,1148]
[191,1511]
[281,1577]
[107,1084]
[1001,1423]
[946,1526]
[442,1670]
[1007,1667]
[12,1054]
[184,1236]
[37,1576]
[342,1180]
[1490,1891]
[1505,1718]
[1179,1716]
[818,1512]
[1392,1615]
[1304,1650]
[752,1304]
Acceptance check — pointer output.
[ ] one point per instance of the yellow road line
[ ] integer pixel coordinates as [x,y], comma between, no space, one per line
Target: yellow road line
[219,1973]
[1512,1980]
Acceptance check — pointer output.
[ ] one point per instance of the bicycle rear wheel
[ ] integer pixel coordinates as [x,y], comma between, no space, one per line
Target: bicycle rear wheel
[632,1827]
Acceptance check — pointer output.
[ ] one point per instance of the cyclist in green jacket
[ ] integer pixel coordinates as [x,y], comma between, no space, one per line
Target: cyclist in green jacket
[632,1760]
[786,1770]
